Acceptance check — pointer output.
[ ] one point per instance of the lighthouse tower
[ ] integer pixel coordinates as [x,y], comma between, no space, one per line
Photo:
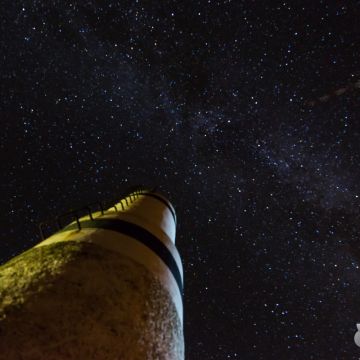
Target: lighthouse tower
[106,286]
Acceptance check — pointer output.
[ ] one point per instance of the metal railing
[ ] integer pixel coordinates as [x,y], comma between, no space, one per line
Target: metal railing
[129,197]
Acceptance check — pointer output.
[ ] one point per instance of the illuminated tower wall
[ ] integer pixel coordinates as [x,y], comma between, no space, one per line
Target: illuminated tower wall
[107,286]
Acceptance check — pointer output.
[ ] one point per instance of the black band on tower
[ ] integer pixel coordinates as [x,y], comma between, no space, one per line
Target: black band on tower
[140,234]
[167,204]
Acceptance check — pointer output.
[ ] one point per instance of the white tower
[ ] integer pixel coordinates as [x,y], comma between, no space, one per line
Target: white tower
[107,286]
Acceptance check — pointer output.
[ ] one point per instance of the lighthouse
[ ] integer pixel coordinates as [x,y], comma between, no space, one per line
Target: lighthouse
[106,285]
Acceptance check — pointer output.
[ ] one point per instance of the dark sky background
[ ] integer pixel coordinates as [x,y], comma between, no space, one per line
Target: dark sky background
[217,102]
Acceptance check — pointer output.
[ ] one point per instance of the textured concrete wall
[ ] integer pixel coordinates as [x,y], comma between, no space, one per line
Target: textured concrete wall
[76,300]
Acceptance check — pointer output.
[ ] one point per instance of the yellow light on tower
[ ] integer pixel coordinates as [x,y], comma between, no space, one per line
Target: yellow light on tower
[106,286]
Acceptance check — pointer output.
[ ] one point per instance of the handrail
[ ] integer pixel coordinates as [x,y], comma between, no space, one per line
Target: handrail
[133,193]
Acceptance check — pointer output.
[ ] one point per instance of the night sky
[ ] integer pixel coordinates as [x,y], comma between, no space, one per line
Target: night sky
[244,113]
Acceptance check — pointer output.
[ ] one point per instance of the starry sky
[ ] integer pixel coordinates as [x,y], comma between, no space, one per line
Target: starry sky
[244,113]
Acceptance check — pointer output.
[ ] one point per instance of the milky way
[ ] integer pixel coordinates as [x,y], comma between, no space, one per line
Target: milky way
[244,113]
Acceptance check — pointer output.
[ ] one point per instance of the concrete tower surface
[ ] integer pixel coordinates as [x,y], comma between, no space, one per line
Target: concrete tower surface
[107,286]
